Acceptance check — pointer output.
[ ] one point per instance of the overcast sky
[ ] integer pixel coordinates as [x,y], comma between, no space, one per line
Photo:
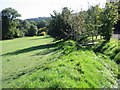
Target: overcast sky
[41,8]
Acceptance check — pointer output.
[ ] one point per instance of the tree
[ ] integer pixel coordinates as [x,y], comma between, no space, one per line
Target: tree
[92,21]
[32,31]
[33,23]
[42,24]
[65,25]
[109,18]
[58,26]
[8,17]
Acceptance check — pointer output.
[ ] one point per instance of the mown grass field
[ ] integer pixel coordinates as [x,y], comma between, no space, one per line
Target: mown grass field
[37,62]
[20,55]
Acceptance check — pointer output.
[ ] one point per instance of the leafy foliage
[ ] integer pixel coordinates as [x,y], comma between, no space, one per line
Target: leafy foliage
[42,24]
[32,31]
[109,18]
[93,22]
[66,67]
[64,25]
[8,17]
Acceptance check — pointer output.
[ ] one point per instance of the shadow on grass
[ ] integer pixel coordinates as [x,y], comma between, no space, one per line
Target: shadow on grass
[46,46]
[47,51]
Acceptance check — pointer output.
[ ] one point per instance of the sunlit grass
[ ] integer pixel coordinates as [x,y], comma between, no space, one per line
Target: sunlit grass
[79,69]
[37,62]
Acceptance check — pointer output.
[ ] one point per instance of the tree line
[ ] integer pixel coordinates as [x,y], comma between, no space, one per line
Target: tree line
[64,25]
[12,27]
[84,25]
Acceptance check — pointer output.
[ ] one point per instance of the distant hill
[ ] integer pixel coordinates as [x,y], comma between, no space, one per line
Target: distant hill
[42,18]
[38,19]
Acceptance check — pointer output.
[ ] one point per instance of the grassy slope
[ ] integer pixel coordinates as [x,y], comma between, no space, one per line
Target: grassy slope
[33,62]
[20,55]
[110,49]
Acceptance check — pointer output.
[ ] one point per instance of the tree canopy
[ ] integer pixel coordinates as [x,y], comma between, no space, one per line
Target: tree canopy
[81,26]
[8,24]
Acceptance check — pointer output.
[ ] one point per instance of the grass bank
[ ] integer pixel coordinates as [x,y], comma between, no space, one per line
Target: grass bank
[37,62]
